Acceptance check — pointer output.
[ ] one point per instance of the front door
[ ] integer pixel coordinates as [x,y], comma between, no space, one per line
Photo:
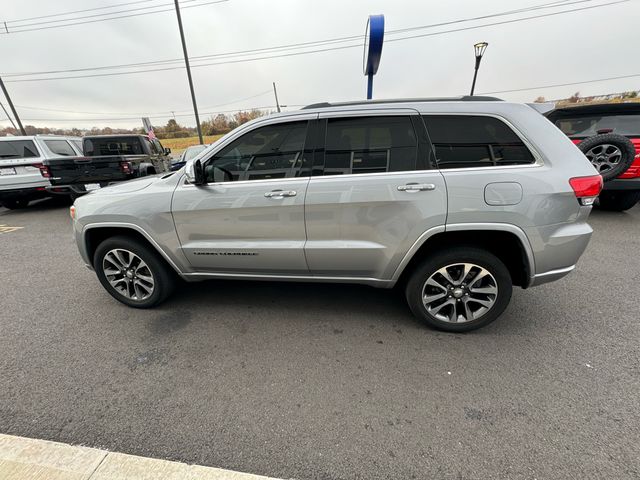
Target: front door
[378,193]
[249,216]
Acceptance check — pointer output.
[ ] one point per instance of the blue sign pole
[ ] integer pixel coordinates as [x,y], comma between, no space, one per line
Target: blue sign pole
[373,40]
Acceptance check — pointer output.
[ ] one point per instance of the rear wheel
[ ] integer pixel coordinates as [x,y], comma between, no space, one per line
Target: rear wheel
[618,201]
[13,204]
[459,289]
[132,272]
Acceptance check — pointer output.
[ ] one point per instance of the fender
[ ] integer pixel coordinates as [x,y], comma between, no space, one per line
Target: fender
[457,227]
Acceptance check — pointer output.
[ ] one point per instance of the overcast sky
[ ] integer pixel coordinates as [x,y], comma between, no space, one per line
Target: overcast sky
[578,46]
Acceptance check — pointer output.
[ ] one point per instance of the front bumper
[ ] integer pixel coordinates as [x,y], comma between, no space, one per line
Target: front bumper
[623,184]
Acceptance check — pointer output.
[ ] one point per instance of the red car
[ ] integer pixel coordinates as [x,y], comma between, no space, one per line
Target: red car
[609,135]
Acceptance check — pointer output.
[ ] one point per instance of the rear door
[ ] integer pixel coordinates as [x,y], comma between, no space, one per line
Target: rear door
[249,217]
[373,194]
[17,165]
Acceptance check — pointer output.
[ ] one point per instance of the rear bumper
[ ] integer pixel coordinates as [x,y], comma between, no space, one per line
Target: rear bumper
[550,276]
[623,184]
[30,193]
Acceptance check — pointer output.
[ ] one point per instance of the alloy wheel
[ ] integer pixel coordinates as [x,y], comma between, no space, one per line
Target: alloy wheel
[460,293]
[128,274]
[604,157]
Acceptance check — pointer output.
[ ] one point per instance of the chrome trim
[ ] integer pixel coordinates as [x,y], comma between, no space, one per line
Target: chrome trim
[558,271]
[376,282]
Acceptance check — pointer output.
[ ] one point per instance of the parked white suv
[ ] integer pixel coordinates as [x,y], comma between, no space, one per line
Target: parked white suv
[22,176]
[456,200]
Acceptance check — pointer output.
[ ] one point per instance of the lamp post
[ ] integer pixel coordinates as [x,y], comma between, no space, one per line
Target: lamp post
[479,49]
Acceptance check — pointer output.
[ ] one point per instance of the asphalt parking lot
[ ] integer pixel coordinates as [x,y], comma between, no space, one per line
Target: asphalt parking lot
[312,381]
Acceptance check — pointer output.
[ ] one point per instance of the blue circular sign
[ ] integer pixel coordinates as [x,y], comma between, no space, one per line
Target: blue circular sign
[373,39]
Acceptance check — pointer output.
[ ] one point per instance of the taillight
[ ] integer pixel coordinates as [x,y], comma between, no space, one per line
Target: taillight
[125,167]
[586,189]
[72,212]
[44,170]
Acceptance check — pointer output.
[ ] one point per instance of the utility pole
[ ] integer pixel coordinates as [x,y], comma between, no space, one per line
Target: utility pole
[13,109]
[8,116]
[186,62]
[275,92]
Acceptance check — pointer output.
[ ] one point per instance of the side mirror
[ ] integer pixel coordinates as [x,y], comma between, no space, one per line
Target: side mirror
[167,151]
[198,173]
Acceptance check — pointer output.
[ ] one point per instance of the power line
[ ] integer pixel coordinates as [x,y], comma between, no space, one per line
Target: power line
[110,18]
[78,11]
[264,107]
[144,113]
[306,52]
[301,44]
[562,84]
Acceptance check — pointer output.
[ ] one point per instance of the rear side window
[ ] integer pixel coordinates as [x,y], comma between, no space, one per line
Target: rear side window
[94,147]
[60,147]
[370,145]
[78,144]
[17,149]
[465,141]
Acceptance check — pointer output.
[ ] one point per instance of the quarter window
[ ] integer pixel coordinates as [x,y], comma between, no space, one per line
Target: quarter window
[370,145]
[274,151]
[475,141]
[60,147]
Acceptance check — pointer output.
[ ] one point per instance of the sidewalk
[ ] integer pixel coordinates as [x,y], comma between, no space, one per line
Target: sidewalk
[29,459]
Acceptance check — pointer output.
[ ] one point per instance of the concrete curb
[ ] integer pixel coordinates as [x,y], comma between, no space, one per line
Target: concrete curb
[29,459]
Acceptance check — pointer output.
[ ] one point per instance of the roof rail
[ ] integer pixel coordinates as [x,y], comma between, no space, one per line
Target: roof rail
[465,98]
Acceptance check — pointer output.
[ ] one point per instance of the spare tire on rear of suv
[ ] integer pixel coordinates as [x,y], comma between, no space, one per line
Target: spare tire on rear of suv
[611,154]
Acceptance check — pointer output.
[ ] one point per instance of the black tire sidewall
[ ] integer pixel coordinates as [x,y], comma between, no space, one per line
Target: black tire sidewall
[163,278]
[618,200]
[623,143]
[445,257]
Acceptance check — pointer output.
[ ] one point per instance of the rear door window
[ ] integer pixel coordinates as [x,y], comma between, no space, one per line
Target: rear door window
[11,149]
[466,141]
[370,145]
[60,147]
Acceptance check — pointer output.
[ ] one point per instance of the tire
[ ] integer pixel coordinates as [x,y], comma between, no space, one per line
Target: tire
[454,316]
[618,201]
[16,203]
[611,154]
[146,263]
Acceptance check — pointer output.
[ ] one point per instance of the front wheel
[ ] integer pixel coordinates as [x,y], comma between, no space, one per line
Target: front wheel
[618,201]
[132,272]
[459,289]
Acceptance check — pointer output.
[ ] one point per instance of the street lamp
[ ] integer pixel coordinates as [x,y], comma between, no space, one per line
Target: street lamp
[479,49]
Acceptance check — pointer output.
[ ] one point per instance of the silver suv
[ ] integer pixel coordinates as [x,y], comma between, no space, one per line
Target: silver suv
[454,200]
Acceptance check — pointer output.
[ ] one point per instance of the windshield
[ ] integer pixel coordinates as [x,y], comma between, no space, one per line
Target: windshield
[586,126]
[193,152]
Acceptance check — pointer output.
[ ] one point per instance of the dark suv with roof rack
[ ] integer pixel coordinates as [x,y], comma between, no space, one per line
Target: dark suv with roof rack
[609,135]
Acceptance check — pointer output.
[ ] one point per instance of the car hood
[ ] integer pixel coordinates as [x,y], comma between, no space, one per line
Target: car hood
[128,186]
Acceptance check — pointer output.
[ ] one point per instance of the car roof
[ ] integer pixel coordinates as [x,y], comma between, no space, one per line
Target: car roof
[43,137]
[379,102]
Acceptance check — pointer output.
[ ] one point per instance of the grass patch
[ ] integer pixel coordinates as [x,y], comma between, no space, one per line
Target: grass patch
[182,143]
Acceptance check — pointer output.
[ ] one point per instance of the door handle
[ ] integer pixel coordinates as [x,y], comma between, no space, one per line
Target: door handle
[281,193]
[416,187]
